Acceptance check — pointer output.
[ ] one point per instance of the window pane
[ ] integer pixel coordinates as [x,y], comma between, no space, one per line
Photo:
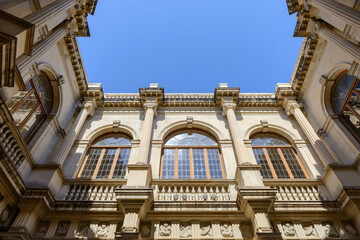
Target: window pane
[106,163]
[15,99]
[31,124]
[121,164]
[25,108]
[113,141]
[293,163]
[190,139]
[43,90]
[91,162]
[352,121]
[268,140]
[214,163]
[261,159]
[199,163]
[277,163]
[168,167]
[183,163]
[341,89]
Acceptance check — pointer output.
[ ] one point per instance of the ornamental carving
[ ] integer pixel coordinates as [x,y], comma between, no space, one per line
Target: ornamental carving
[63,228]
[82,229]
[206,230]
[5,214]
[102,229]
[226,230]
[246,230]
[145,230]
[309,230]
[289,230]
[42,228]
[185,230]
[165,229]
[350,229]
[330,230]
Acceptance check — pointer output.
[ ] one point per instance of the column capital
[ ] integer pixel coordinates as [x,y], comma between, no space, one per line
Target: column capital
[89,105]
[290,104]
[227,106]
[150,104]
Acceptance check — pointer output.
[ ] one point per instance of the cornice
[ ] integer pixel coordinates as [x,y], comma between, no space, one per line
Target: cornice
[77,63]
[194,99]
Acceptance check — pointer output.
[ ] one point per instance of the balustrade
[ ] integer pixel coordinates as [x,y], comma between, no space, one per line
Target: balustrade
[192,192]
[10,146]
[92,191]
[298,190]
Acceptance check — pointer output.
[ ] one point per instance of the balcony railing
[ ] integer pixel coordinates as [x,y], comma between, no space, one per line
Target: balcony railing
[92,190]
[201,190]
[298,190]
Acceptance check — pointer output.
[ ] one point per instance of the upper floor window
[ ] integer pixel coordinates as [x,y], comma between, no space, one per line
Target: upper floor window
[276,157]
[191,154]
[107,158]
[30,108]
[346,102]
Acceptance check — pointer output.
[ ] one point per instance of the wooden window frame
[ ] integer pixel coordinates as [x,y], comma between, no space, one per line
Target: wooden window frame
[191,160]
[279,150]
[103,149]
[39,104]
[345,104]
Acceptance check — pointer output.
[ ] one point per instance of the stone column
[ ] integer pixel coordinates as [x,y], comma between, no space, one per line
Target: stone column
[87,109]
[24,62]
[350,15]
[240,149]
[146,131]
[48,12]
[293,107]
[248,171]
[345,45]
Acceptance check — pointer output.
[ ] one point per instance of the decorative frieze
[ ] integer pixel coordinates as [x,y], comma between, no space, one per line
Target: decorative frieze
[317,230]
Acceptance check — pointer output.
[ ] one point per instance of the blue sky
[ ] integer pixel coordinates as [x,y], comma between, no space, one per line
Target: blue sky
[190,45]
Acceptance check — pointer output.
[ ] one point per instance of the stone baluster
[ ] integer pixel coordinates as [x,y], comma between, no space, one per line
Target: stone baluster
[87,109]
[350,15]
[293,107]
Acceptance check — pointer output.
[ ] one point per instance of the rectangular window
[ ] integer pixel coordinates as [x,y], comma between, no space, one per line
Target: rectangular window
[183,163]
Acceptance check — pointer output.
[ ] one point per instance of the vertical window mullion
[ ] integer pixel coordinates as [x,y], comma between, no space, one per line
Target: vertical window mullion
[176,164]
[285,163]
[269,162]
[191,163]
[206,159]
[221,163]
[162,163]
[301,165]
[114,163]
[83,165]
[99,163]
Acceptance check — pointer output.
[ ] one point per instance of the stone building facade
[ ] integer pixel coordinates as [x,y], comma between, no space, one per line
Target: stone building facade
[77,163]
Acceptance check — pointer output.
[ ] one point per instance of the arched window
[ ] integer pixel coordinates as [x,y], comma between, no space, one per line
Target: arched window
[191,154]
[346,102]
[276,157]
[107,158]
[30,108]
